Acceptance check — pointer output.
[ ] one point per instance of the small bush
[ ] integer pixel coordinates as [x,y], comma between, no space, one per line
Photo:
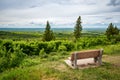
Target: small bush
[42,45]
[8,45]
[10,59]
[64,53]
[17,57]
[117,38]
[42,53]
[58,43]
[69,45]
[51,47]
[62,48]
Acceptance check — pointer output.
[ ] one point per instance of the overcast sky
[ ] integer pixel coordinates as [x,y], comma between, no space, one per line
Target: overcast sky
[60,13]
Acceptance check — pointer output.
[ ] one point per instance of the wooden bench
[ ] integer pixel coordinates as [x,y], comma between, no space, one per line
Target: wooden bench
[96,54]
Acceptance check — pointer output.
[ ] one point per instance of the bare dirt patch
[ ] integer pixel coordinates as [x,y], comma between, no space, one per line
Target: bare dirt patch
[112,59]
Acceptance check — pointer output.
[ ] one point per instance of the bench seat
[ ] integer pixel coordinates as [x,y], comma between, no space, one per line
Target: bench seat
[96,54]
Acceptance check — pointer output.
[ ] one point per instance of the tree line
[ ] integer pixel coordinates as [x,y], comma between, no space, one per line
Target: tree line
[111,31]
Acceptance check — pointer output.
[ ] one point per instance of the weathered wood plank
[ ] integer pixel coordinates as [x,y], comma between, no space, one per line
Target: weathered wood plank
[96,54]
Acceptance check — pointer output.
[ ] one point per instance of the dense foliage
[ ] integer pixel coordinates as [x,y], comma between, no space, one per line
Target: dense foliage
[10,56]
[78,28]
[35,47]
[48,34]
[112,31]
[51,66]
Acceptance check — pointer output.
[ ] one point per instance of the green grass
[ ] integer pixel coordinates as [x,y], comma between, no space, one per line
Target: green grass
[54,68]
[58,70]
[113,49]
[52,65]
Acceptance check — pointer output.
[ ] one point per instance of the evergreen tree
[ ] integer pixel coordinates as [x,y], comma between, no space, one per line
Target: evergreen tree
[116,30]
[48,34]
[111,31]
[78,28]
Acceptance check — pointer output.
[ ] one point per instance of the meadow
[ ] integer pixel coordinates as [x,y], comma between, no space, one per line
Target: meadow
[24,56]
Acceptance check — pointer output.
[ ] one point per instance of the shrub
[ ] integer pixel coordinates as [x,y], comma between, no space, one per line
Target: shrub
[16,57]
[8,45]
[69,45]
[78,46]
[42,45]
[62,48]
[51,47]
[57,43]
[10,59]
[34,49]
[4,59]
[1,42]
[117,38]
[42,53]
[64,53]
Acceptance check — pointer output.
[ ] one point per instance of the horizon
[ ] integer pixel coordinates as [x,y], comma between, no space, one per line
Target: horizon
[60,14]
[54,29]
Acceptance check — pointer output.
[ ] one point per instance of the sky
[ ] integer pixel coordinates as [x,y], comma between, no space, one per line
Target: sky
[59,13]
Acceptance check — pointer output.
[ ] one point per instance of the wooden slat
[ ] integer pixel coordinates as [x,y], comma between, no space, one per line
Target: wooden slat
[85,54]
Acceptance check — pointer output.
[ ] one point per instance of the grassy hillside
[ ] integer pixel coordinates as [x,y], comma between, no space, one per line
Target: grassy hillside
[23,56]
[54,68]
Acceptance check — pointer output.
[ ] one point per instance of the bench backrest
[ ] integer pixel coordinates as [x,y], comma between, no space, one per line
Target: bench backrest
[85,54]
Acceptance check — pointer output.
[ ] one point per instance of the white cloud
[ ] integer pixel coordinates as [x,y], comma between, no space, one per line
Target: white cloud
[62,12]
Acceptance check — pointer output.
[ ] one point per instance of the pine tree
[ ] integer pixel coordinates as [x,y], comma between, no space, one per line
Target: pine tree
[78,28]
[111,31]
[48,34]
[116,30]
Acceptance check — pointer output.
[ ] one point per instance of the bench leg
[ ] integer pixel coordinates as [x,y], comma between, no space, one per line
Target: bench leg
[100,57]
[95,59]
[75,60]
[100,60]
[74,63]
